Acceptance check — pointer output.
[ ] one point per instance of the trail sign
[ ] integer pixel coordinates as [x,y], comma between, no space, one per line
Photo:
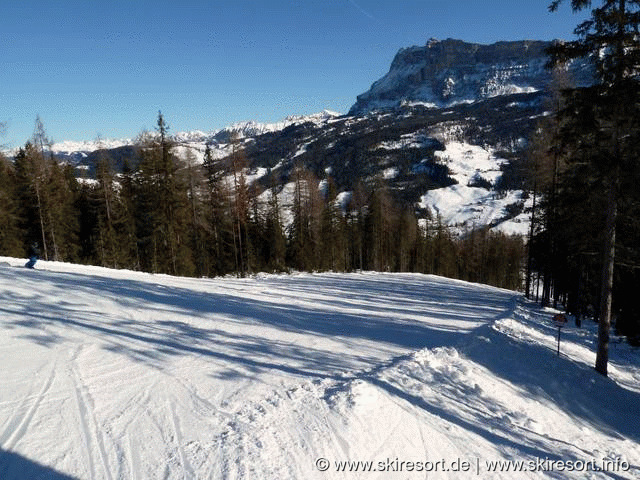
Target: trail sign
[560,320]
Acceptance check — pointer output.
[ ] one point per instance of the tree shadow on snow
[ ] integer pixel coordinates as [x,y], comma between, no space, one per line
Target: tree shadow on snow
[535,372]
[14,466]
[395,316]
[368,317]
[575,388]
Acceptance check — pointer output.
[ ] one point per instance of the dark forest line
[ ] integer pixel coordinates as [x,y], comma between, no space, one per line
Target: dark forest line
[166,213]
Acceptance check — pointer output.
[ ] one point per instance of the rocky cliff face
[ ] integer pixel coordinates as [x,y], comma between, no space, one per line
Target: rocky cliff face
[449,72]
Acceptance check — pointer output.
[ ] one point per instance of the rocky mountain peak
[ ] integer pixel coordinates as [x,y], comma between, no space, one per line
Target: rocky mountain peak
[448,72]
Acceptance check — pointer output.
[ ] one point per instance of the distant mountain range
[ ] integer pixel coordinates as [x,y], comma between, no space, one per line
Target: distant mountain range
[445,129]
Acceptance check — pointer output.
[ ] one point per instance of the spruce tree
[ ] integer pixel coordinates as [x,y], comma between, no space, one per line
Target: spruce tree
[162,205]
[275,245]
[300,248]
[129,247]
[356,214]
[331,254]
[219,225]
[11,236]
[113,234]
[31,183]
[196,230]
[240,207]
[605,120]
[105,199]
[380,221]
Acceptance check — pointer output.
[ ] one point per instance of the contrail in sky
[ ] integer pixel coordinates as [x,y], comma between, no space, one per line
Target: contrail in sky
[362,10]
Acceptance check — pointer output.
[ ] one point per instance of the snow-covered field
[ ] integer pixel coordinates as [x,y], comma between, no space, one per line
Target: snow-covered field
[122,375]
[466,206]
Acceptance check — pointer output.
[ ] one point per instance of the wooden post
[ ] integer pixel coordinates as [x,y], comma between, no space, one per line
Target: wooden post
[560,320]
[559,330]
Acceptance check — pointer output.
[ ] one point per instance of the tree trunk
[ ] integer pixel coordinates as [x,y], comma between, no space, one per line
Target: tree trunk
[529,253]
[42,232]
[606,294]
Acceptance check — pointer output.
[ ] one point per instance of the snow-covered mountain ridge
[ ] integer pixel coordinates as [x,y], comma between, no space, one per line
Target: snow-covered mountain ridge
[243,129]
[449,72]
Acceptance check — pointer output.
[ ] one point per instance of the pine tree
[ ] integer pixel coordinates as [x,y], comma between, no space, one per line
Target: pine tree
[105,199]
[275,246]
[240,207]
[162,205]
[406,240]
[300,251]
[39,159]
[31,182]
[129,248]
[219,223]
[11,236]
[48,194]
[331,255]
[112,230]
[444,251]
[380,223]
[604,119]
[537,155]
[195,193]
[63,192]
[355,219]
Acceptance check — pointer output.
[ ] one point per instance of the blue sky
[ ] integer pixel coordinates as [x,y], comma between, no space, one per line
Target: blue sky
[92,68]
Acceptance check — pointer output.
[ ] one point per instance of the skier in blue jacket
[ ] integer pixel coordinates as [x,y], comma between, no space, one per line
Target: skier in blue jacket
[33,255]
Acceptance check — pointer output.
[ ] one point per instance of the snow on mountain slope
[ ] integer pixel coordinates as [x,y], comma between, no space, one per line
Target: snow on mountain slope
[197,138]
[117,374]
[465,205]
[70,147]
[252,128]
[472,202]
[192,143]
[448,72]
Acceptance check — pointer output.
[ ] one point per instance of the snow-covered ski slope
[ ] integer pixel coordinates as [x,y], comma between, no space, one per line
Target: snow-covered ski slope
[121,375]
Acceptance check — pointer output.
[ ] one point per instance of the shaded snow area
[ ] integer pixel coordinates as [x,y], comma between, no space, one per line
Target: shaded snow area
[472,201]
[122,375]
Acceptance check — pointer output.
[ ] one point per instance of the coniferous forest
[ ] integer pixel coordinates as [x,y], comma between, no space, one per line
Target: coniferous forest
[167,213]
[584,173]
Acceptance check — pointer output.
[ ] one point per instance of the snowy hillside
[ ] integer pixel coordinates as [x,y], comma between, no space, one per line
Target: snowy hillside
[418,152]
[116,374]
[466,204]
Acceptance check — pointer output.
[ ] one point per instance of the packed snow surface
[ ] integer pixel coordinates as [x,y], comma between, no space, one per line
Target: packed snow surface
[122,375]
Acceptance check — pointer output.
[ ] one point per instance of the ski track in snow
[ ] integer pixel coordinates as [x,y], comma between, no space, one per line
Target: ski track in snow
[19,421]
[115,374]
